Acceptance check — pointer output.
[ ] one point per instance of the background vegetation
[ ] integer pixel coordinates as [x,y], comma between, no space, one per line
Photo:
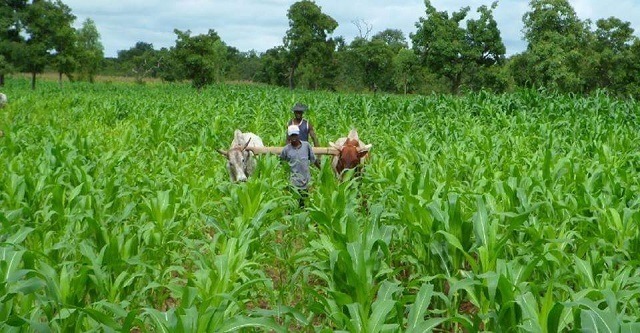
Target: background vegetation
[449,52]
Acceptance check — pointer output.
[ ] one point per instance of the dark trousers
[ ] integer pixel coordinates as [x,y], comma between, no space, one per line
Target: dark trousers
[301,193]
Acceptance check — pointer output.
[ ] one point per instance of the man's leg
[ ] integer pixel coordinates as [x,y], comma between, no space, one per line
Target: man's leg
[303,193]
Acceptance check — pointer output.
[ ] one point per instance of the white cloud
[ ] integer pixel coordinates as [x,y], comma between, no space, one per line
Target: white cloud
[261,24]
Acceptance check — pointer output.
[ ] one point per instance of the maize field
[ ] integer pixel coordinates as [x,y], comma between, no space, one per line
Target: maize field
[479,213]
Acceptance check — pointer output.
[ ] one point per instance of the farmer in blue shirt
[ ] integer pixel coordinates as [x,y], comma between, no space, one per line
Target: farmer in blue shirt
[299,155]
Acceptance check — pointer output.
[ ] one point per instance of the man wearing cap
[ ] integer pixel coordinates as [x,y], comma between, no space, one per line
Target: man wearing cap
[306,130]
[299,155]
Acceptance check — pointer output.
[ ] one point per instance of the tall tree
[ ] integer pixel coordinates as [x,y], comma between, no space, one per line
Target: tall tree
[202,57]
[634,61]
[65,58]
[274,67]
[45,24]
[307,37]
[557,54]
[406,67]
[440,41]
[11,27]
[486,49]
[615,65]
[374,59]
[91,50]
[452,51]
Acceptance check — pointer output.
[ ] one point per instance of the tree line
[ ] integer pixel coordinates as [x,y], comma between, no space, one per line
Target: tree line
[449,52]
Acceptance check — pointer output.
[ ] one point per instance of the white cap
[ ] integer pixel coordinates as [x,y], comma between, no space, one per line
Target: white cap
[293,129]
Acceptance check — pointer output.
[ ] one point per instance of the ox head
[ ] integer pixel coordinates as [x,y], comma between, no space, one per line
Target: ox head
[237,159]
[349,154]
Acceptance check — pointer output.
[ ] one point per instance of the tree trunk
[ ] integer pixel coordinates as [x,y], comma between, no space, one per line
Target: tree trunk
[455,83]
[406,83]
[33,81]
[60,79]
[1,80]
[292,71]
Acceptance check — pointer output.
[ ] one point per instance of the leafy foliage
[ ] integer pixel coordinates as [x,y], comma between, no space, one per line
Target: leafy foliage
[307,37]
[91,48]
[201,58]
[452,51]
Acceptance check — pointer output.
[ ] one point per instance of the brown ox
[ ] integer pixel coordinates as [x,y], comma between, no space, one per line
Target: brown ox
[350,152]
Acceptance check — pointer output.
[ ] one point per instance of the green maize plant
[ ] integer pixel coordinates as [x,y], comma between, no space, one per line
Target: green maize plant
[517,212]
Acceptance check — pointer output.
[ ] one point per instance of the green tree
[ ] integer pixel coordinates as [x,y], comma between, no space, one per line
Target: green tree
[374,59]
[558,55]
[65,59]
[453,52]
[141,60]
[614,59]
[201,58]
[349,76]
[633,88]
[10,37]
[5,68]
[170,69]
[307,37]
[393,38]
[406,68]
[486,51]
[274,66]
[91,52]
[46,24]
[242,66]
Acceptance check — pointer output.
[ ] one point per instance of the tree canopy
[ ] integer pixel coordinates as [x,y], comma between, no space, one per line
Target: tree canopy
[201,58]
[307,38]
[456,53]
[91,49]
[452,52]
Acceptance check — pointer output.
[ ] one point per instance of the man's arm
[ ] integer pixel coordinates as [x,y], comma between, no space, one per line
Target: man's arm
[312,134]
[313,159]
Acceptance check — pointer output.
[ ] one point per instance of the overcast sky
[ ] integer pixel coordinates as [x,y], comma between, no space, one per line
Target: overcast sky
[261,24]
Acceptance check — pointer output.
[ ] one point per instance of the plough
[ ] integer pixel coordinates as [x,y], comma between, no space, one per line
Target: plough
[278,150]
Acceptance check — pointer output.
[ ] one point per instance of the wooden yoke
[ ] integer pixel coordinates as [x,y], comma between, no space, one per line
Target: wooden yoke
[278,150]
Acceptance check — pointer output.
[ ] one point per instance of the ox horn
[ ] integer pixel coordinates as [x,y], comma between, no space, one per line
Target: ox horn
[246,145]
[335,146]
[223,152]
[365,148]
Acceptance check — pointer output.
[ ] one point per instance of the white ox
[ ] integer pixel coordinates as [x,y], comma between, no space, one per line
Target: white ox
[241,161]
[351,151]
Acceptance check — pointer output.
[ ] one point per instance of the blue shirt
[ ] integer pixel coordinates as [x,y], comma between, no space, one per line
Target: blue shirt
[299,158]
